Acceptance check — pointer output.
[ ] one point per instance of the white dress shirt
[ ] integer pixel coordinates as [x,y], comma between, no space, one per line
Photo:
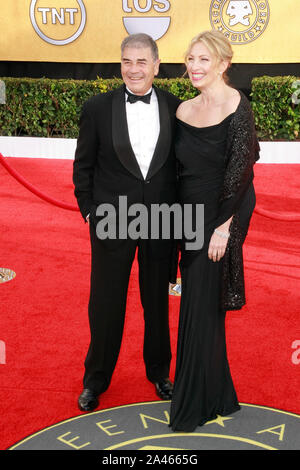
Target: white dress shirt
[143,127]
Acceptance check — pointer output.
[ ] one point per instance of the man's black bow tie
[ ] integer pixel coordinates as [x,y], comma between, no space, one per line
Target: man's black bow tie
[134,98]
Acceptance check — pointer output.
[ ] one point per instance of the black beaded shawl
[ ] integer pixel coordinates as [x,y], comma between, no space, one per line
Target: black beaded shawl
[241,154]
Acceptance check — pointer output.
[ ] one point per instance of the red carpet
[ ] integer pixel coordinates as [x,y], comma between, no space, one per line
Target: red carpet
[44,309]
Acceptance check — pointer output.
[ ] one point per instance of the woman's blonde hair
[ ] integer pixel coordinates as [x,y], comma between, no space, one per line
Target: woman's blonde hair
[217,44]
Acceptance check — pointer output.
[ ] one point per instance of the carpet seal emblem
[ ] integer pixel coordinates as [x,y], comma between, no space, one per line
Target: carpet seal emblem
[145,426]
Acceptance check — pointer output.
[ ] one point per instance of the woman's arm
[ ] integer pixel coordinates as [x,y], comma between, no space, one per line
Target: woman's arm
[242,153]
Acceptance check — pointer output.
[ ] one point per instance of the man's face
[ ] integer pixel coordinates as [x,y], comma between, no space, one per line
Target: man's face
[138,69]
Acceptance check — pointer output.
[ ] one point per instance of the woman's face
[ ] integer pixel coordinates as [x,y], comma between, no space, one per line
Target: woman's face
[202,66]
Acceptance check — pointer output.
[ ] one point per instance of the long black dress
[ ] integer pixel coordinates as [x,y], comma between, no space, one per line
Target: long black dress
[203,386]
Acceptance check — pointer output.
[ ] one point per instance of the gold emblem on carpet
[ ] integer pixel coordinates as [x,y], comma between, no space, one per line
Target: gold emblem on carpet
[6,275]
[145,426]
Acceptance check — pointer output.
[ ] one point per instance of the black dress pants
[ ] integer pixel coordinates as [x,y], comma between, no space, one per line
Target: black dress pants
[110,272]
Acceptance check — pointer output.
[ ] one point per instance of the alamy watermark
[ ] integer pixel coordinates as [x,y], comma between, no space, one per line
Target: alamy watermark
[296,353]
[2,352]
[161,221]
[296,94]
[2,92]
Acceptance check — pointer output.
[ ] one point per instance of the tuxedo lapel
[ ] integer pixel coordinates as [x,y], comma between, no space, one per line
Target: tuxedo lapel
[120,135]
[162,148]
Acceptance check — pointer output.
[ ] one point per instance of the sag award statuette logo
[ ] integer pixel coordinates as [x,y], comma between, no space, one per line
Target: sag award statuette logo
[156,26]
[58,22]
[241,21]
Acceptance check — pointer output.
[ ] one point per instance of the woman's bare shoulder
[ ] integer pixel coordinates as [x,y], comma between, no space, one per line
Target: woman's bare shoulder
[232,101]
[185,108]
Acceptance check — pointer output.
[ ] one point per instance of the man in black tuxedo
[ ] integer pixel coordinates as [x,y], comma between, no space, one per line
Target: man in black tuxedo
[125,148]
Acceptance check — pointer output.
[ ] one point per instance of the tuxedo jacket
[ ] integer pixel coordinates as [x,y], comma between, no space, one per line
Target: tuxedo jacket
[105,166]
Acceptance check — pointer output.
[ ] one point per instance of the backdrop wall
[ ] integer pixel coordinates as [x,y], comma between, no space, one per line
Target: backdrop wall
[89,31]
[81,39]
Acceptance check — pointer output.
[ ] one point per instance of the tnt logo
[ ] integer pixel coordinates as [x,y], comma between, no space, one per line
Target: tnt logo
[155,25]
[58,22]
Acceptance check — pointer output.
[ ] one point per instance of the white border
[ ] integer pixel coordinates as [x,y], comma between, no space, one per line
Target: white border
[279,152]
[39,147]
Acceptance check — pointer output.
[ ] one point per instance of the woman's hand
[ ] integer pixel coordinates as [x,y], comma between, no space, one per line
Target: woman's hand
[218,242]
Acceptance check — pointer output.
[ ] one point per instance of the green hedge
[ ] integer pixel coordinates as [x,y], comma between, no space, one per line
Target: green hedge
[44,107]
[51,108]
[276,116]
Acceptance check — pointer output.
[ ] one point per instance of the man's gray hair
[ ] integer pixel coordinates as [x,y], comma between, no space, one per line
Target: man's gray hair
[141,40]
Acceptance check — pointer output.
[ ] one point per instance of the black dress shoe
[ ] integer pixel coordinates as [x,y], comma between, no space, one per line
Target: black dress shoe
[88,400]
[164,389]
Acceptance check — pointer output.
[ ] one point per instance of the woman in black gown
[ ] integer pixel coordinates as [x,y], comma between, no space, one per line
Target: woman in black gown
[216,148]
